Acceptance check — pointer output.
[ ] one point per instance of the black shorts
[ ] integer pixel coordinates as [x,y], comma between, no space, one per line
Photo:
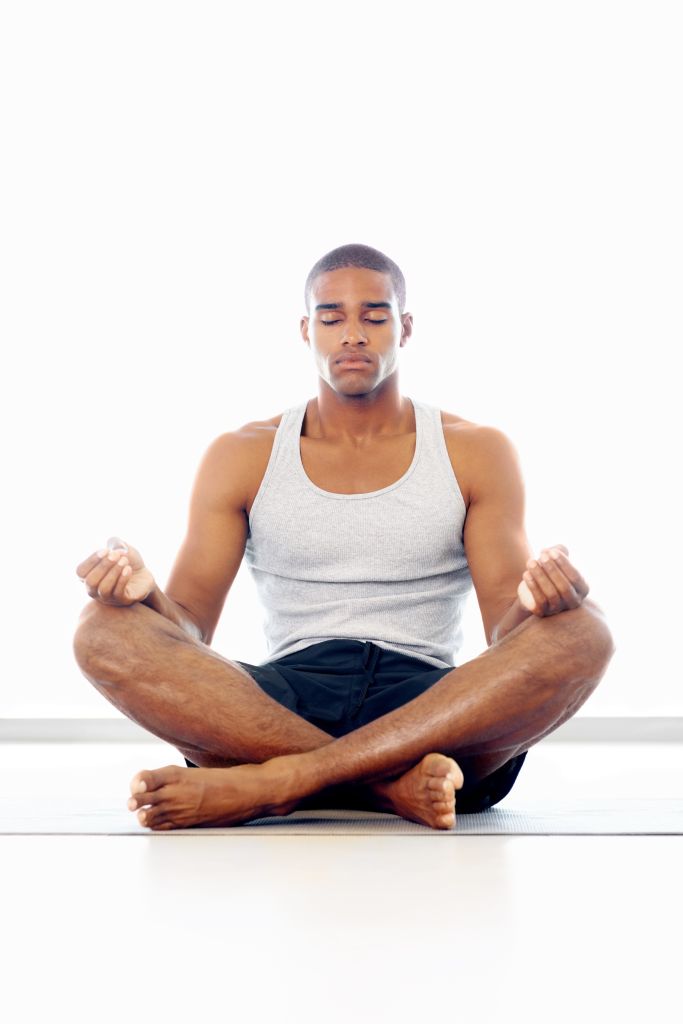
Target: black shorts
[341,685]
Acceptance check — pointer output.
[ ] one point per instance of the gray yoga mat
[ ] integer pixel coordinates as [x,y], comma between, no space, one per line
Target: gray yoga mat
[561,816]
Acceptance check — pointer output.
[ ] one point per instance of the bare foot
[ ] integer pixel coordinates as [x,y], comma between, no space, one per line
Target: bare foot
[425,794]
[174,797]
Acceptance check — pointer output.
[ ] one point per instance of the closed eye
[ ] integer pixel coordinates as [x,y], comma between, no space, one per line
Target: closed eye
[327,323]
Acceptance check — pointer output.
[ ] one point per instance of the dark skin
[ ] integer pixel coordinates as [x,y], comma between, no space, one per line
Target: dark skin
[257,758]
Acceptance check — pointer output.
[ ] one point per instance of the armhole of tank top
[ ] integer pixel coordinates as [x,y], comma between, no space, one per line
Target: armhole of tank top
[271,465]
[445,461]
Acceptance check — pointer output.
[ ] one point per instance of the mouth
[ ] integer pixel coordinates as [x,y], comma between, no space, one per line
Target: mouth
[357,361]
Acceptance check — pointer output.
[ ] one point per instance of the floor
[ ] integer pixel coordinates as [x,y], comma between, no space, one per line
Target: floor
[341,928]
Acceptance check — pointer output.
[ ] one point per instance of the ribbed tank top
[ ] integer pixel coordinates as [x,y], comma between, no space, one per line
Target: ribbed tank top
[387,566]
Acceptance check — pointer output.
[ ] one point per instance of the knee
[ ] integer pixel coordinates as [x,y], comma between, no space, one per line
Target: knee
[598,633]
[99,632]
[590,639]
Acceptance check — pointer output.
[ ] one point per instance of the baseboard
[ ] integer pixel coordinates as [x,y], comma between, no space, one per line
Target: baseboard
[122,730]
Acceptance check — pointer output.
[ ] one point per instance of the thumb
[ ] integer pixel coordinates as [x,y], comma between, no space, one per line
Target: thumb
[116,544]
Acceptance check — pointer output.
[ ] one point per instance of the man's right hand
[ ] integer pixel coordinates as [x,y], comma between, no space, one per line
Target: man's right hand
[118,577]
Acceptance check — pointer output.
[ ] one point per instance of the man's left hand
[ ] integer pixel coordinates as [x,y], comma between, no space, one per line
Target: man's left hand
[551,584]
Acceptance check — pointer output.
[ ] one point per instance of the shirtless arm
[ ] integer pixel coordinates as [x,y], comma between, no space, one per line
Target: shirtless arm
[217,531]
[497,548]
[494,535]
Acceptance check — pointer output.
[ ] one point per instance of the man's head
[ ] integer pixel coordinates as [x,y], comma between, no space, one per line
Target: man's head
[355,296]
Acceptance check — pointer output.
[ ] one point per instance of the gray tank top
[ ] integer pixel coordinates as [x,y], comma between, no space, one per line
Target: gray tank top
[387,566]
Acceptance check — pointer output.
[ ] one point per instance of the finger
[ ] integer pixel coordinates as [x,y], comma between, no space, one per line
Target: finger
[98,572]
[106,586]
[101,567]
[119,591]
[573,575]
[546,589]
[568,596]
[526,598]
[84,567]
[537,568]
[553,599]
[555,594]
[536,592]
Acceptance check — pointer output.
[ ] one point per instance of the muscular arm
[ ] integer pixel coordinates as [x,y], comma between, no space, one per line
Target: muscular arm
[217,531]
[494,535]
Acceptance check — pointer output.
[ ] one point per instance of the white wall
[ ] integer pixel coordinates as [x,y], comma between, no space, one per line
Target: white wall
[171,171]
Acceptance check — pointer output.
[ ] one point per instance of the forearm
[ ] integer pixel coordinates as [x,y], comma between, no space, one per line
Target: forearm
[157,600]
[515,614]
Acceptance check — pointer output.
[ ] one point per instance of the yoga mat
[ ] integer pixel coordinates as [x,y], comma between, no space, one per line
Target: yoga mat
[560,816]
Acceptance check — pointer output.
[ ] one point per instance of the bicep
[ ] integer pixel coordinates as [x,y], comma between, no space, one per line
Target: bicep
[217,530]
[494,535]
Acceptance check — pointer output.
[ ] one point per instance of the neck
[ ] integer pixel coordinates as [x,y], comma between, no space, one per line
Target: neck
[357,419]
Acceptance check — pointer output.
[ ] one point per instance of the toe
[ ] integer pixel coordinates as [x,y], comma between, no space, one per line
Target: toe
[440,789]
[455,774]
[163,818]
[437,765]
[155,818]
[145,799]
[142,782]
[442,808]
[146,781]
[152,817]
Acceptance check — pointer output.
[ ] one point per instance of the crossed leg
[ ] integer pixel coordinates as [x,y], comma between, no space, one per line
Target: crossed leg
[270,759]
[217,716]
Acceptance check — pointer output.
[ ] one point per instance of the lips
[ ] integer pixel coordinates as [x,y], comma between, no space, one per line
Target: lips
[353,359]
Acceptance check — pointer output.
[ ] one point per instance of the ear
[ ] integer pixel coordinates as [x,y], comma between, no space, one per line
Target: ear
[304,328]
[407,330]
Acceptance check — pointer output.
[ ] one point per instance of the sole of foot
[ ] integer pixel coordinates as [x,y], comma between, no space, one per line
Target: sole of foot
[424,794]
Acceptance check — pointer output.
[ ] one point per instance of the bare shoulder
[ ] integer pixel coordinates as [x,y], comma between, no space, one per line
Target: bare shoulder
[240,458]
[477,452]
[466,433]
[244,442]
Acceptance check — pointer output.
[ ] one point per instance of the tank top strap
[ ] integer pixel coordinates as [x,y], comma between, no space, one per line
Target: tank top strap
[436,461]
[281,468]
[289,433]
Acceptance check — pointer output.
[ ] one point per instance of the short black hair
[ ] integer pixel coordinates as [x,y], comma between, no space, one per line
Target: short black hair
[357,255]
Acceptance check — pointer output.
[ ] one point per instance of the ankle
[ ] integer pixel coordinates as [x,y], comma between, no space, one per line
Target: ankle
[287,779]
[379,792]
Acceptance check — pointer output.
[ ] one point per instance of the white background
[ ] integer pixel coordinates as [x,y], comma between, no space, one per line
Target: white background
[170,173]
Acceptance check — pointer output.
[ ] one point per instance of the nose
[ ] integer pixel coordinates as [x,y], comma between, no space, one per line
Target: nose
[354,333]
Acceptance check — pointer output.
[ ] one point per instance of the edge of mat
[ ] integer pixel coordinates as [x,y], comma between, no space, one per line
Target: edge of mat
[510,820]
[582,729]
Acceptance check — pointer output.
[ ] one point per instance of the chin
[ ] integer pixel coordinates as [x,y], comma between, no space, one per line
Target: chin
[354,387]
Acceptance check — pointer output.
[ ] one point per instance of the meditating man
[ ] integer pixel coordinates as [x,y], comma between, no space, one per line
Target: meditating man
[365,518]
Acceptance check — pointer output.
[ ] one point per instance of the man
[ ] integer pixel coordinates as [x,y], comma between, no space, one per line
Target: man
[365,518]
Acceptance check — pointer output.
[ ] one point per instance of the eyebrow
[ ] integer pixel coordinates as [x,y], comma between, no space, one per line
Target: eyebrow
[340,305]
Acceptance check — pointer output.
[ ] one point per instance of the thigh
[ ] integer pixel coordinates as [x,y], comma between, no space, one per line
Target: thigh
[389,691]
[317,683]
